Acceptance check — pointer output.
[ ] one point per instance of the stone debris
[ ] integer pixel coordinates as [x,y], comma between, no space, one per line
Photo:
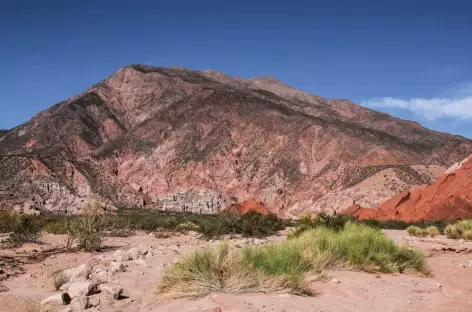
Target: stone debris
[54,302]
[82,289]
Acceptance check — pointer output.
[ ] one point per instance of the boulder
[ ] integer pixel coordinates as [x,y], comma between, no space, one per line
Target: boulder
[79,303]
[79,273]
[120,256]
[82,289]
[134,253]
[54,302]
[112,290]
[117,267]
[93,302]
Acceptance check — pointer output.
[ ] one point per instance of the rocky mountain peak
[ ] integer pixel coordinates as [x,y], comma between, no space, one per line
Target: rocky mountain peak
[188,140]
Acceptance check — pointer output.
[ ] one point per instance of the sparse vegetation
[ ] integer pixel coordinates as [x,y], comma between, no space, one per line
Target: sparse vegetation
[309,222]
[58,279]
[416,231]
[23,230]
[459,230]
[432,231]
[289,265]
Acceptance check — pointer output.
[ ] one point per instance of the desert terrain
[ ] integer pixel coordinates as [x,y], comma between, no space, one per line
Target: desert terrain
[447,290]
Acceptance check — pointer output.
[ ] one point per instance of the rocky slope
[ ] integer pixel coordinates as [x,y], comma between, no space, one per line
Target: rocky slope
[176,139]
[3,132]
[449,198]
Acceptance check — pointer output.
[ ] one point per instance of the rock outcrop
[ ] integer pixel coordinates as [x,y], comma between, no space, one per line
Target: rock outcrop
[449,198]
[186,140]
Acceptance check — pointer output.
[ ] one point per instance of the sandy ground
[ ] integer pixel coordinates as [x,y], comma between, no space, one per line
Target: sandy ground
[449,290]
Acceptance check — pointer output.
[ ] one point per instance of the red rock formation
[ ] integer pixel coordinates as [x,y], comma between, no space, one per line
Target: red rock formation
[449,198]
[250,205]
[254,206]
[200,141]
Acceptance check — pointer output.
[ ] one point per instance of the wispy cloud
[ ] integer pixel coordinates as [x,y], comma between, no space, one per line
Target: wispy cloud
[455,103]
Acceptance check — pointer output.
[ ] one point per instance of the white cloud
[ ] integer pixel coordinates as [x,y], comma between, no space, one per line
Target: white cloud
[454,103]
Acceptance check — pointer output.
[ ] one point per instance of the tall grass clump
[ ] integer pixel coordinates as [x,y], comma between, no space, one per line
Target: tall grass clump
[359,247]
[289,265]
[459,230]
[208,271]
[433,231]
[416,231]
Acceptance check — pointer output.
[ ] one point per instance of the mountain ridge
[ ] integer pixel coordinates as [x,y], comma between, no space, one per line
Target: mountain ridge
[146,134]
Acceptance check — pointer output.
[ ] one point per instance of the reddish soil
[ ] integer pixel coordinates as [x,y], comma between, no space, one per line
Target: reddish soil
[448,290]
[448,198]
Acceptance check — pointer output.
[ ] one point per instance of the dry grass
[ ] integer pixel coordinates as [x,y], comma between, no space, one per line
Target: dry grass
[288,266]
[459,230]
[218,270]
[58,279]
[432,231]
[416,231]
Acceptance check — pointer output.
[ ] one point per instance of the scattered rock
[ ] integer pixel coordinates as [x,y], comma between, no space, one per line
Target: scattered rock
[79,303]
[335,281]
[120,256]
[54,302]
[112,290]
[134,253]
[82,289]
[81,272]
[117,267]
[93,302]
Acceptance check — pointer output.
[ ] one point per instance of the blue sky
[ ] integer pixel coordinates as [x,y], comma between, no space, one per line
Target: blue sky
[412,59]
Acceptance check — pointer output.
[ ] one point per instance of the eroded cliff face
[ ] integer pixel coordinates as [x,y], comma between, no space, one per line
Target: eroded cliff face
[448,198]
[146,135]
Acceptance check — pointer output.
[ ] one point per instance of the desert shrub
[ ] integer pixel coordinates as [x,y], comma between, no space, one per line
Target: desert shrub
[7,222]
[188,226]
[432,231]
[253,224]
[416,231]
[467,235]
[459,230]
[58,279]
[57,227]
[88,230]
[289,265]
[24,230]
[452,232]
[308,222]
[402,225]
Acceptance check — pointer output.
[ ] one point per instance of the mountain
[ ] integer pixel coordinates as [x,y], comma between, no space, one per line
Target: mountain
[3,132]
[449,198]
[177,139]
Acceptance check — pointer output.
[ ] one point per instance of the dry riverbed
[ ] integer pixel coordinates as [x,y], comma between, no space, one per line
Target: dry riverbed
[131,267]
